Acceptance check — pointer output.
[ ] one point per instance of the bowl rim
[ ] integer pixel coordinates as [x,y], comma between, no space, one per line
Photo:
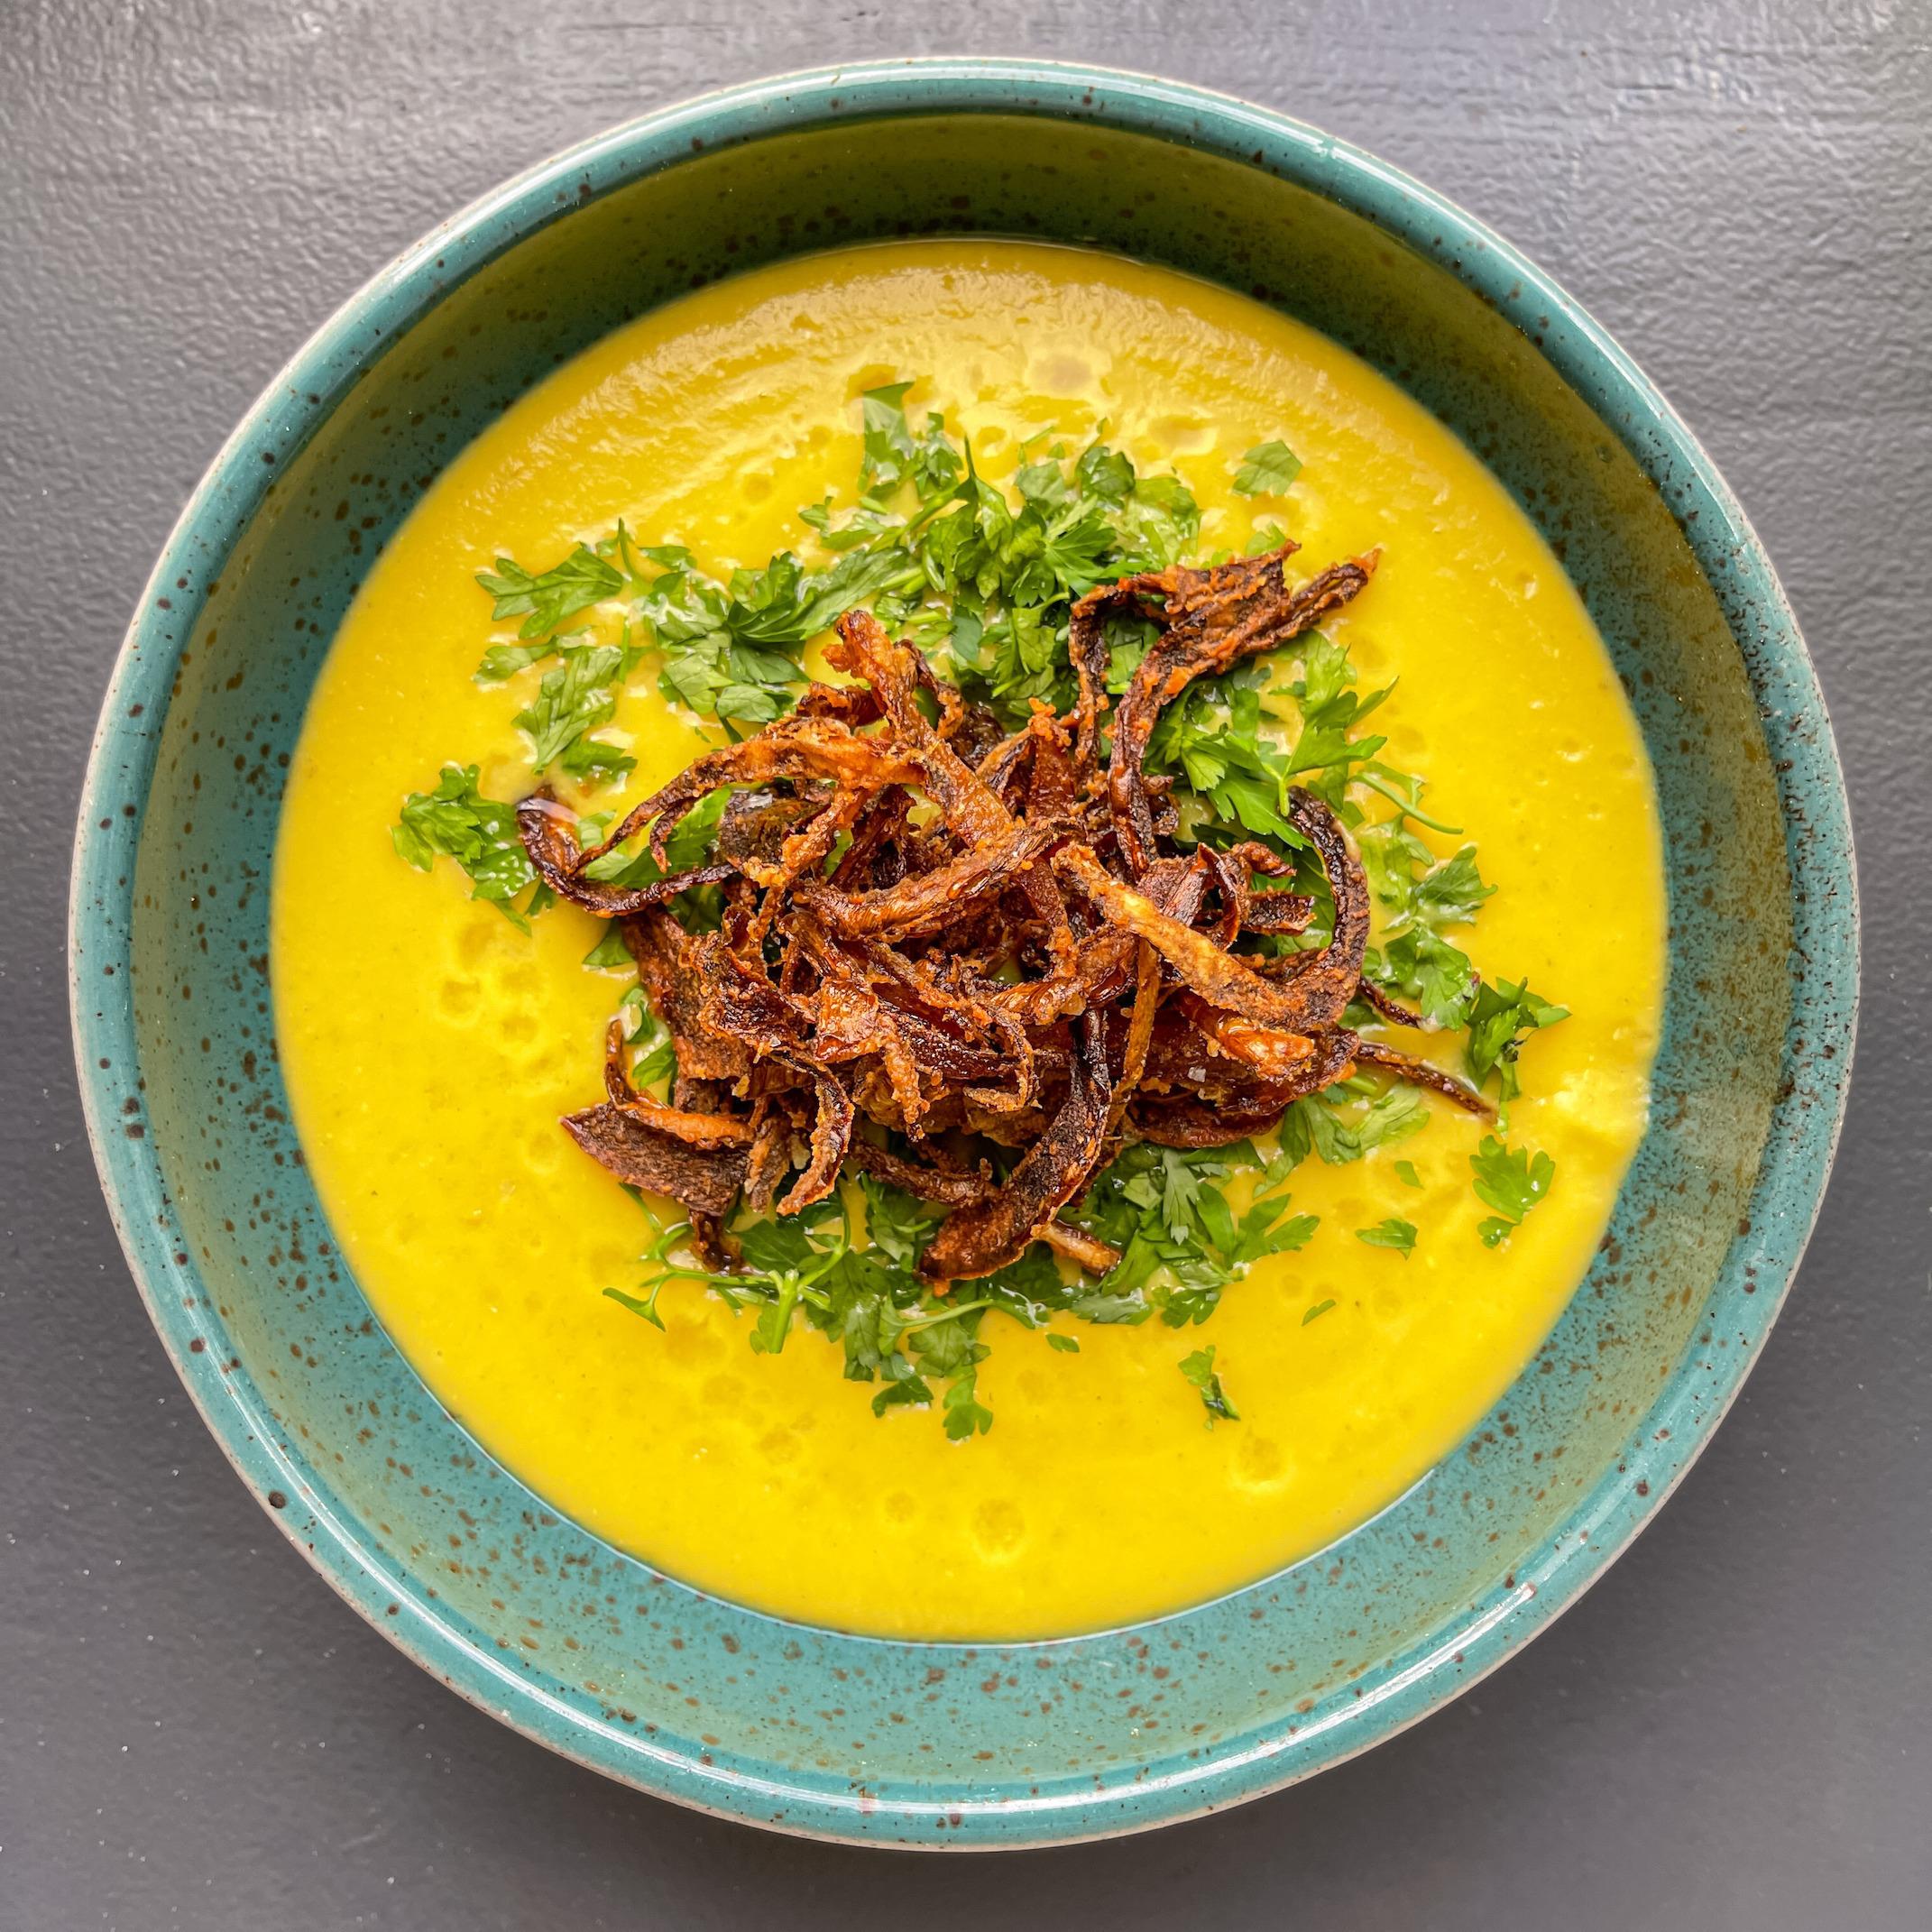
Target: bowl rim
[1806,1116]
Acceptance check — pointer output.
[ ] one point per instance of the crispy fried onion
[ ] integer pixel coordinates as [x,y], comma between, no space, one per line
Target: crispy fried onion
[967,965]
[1210,620]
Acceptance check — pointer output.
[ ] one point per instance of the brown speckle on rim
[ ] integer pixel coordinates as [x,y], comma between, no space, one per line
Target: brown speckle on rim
[277,1500]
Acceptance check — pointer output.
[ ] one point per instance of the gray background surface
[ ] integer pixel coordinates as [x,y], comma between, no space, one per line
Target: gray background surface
[1731,1731]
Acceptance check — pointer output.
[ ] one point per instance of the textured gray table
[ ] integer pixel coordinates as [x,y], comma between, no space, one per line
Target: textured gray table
[1731,1731]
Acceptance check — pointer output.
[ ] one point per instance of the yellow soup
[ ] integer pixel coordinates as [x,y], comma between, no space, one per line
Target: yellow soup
[429,1046]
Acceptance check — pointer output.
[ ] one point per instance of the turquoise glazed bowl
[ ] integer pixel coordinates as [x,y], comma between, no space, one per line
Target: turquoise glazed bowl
[594,1653]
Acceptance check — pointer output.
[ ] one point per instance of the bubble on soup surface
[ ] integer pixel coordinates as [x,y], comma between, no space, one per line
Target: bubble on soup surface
[608,1259]
[1176,435]
[1406,742]
[482,937]
[457,998]
[999,1529]
[723,1396]
[1388,1306]
[1260,1464]
[1064,375]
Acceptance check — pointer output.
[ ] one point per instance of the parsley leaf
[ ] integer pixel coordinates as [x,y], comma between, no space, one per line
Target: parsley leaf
[1421,895]
[1326,1127]
[1503,1015]
[1419,964]
[785,604]
[1158,526]
[571,702]
[1218,738]
[1104,474]
[1198,1368]
[898,1224]
[545,599]
[1449,893]
[1510,1180]
[479,834]
[502,661]
[659,1065]
[610,954]
[889,455]
[1167,1210]
[1267,470]
[964,1413]
[1394,1232]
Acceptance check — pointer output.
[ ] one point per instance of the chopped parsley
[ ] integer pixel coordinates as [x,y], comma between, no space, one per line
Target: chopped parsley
[1198,1368]
[1180,1241]
[572,701]
[544,600]
[1511,1181]
[1394,1232]
[1267,470]
[479,834]
[1419,895]
[1501,1018]
[1340,1132]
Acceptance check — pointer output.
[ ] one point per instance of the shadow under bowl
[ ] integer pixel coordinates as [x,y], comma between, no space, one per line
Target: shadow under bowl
[587,1649]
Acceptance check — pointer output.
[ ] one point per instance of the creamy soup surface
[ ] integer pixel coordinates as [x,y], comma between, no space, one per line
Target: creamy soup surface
[429,1046]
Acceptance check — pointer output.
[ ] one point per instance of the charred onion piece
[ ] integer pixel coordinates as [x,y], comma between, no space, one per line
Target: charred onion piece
[1420,1073]
[704,1180]
[545,828]
[975,941]
[1216,975]
[918,906]
[668,969]
[1086,1251]
[695,1129]
[1182,1121]
[987,1234]
[1211,619]
[793,747]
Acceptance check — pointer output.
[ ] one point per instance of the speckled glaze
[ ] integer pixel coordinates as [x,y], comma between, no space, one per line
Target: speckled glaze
[593,1653]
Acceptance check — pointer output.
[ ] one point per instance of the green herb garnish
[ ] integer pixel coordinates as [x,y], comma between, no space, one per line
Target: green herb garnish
[1511,1181]
[545,599]
[1267,470]
[479,834]
[1198,1368]
[1394,1232]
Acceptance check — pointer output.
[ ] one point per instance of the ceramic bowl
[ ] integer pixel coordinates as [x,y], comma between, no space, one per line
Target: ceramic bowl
[594,1653]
